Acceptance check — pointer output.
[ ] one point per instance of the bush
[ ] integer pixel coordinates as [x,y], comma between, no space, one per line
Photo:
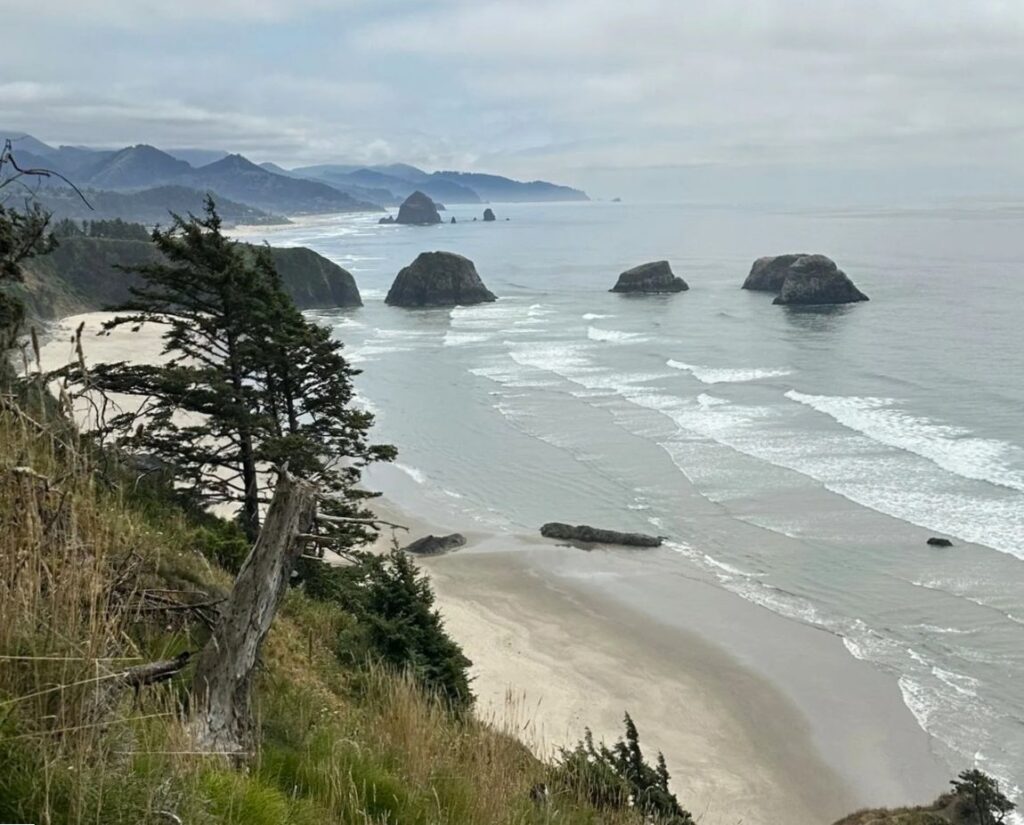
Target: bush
[619,777]
[395,621]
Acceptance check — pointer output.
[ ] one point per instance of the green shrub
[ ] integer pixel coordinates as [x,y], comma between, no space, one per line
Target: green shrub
[619,777]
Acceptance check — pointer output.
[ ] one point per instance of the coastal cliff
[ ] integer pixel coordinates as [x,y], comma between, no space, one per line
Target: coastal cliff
[85,273]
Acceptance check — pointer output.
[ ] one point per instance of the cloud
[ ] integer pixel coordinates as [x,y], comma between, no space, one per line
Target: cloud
[531,87]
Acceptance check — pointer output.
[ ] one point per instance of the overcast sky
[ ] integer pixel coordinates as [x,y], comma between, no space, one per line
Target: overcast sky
[614,95]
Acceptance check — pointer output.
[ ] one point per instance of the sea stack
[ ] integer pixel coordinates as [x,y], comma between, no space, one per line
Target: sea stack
[814,280]
[650,278]
[418,210]
[767,274]
[802,279]
[438,279]
[489,214]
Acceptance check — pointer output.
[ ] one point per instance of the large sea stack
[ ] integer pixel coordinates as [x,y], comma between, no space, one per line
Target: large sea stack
[767,274]
[438,279]
[418,210]
[815,279]
[489,214]
[802,279]
[652,277]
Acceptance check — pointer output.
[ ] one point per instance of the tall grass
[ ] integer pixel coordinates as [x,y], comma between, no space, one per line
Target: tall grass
[79,553]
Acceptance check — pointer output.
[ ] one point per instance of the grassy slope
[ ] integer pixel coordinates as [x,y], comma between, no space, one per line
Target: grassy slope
[334,746]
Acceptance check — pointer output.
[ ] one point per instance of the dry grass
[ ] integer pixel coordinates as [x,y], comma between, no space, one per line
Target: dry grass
[77,555]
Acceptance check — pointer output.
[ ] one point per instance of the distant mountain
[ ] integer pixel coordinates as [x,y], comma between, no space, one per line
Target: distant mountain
[401,170]
[22,142]
[137,167]
[498,188]
[264,188]
[148,206]
[376,179]
[341,182]
[197,157]
[240,179]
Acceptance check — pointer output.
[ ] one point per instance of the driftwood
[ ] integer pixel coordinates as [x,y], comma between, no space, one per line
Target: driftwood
[225,666]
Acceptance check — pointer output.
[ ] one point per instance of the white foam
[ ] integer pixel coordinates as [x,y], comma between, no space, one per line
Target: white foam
[954,449]
[722,375]
[415,474]
[595,316]
[613,336]
[461,339]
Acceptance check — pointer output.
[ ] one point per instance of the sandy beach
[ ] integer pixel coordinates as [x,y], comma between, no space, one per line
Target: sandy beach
[762,719]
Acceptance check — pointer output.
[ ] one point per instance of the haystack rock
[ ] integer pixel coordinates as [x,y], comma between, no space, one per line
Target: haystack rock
[593,535]
[814,280]
[438,279]
[650,278]
[489,214]
[418,210]
[767,274]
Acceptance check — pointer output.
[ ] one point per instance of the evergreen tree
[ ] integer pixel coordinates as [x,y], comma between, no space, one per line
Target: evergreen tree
[397,624]
[979,798]
[247,381]
[620,776]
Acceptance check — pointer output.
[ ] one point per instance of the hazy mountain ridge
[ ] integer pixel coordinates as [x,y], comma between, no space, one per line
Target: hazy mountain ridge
[151,182]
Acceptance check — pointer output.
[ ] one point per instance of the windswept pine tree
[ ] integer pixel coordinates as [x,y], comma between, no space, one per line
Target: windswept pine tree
[247,382]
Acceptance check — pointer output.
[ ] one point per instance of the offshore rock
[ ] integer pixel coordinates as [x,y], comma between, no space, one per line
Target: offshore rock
[814,280]
[489,214]
[594,535]
[418,210]
[651,277]
[438,279]
[767,274]
[436,545]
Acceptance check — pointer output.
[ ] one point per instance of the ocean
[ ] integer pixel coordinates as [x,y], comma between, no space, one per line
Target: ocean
[855,432]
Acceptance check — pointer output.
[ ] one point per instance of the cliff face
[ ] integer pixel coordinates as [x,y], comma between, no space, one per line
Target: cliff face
[82,275]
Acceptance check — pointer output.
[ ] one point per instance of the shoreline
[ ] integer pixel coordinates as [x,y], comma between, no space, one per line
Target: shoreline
[761,718]
[786,726]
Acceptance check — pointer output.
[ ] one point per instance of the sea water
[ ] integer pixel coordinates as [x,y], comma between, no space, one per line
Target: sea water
[845,429]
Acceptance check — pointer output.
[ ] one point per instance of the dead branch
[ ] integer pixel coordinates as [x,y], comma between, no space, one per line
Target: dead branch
[225,666]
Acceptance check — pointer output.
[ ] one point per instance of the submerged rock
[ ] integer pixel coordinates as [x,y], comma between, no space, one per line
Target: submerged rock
[815,279]
[937,542]
[489,214]
[437,279]
[651,277]
[594,535]
[388,219]
[436,545]
[418,210]
[767,274]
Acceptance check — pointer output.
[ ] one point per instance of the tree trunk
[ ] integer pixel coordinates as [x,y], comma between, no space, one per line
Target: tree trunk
[224,669]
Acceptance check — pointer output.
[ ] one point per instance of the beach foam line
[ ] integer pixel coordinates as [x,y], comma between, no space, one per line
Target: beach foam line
[614,336]
[952,448]
[724,375]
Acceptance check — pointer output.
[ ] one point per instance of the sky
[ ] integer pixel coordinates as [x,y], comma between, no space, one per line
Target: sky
[856,99]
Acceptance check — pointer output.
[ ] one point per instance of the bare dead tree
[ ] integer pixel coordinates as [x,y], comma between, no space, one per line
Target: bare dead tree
[224,669]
